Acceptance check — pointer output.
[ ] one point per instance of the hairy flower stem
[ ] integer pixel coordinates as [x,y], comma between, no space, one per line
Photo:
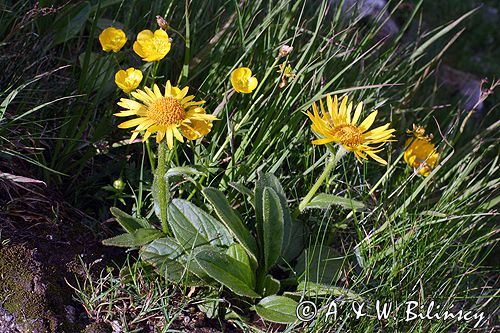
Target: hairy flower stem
[162,185]
[326,172]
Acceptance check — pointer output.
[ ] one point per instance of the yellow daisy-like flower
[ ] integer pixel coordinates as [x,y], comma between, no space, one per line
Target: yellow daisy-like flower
[152,46]
[340,126]
[112,39]
[420,154]
[128,80]
[243,81]
[169,115]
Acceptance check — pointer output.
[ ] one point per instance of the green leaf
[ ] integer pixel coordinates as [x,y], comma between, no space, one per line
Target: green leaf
[164,247]
[171,259]
[5,103]
[272,227]
[71,21]
[192,226]
[270,180]
[311,289]
[421,49]
[183,171]
[163,254]
[228,271]
[103,23]
[242,189]
[128,222]
[278,309]
[238,252]
[97,72]
[295,247]
[321,264]
[104,4]
[231,220]
[210,307]
[270,286]
[324,200]
[136,238]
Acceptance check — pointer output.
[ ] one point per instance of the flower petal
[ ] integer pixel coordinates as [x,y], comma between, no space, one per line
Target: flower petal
[357,113]
[252,83]
[170,138]
[376,157]
[348,113]
[182,93]
[322,141]
[132,122]
[168,89]
[177,134]
[343,108]
[368,122]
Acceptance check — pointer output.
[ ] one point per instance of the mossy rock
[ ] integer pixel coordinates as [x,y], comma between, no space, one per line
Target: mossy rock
[28,294]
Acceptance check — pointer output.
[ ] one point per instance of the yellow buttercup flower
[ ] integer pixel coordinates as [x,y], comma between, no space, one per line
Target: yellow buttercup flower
[169,115]
[152,46]
[340,126]
[112,39]
[243,81]
[128,80]
[420,154]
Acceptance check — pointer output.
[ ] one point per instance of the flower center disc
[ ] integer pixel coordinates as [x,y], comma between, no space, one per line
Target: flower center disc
[349,135]
[166,111]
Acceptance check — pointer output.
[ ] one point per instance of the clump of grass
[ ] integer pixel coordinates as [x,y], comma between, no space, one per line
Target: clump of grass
[132,301]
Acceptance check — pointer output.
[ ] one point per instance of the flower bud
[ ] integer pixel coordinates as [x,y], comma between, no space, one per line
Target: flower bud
[285,50]
[162,23]
[119,184]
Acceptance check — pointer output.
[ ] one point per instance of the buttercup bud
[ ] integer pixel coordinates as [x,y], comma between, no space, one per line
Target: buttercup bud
[161,22]
[119,184]
[285,50]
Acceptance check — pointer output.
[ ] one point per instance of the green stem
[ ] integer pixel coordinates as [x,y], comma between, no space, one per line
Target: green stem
[155,70]
[187,49]
[150,156]
[268,72]
[163,193]
[193,192]
[177,32]
[147,76]
[326,172]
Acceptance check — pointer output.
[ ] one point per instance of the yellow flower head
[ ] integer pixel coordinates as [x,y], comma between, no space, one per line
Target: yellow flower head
[338,125]
[243,81]
[420,154]
[128,80]
[169,115]
[112,39]
[152,46]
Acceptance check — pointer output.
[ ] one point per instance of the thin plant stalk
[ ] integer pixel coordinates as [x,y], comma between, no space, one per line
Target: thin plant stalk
[326,172]
[153,78]
[150,156]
